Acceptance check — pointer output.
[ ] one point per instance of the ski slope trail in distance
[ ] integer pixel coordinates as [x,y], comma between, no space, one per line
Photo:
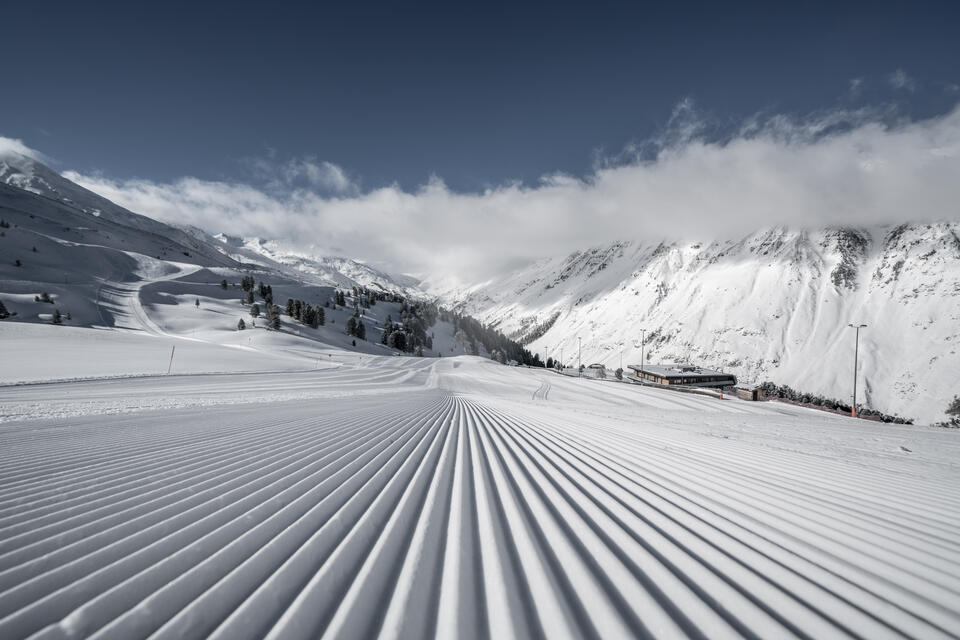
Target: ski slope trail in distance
[119,302]
[457,498]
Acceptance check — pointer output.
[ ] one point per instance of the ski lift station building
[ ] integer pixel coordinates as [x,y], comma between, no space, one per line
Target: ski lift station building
[687,375]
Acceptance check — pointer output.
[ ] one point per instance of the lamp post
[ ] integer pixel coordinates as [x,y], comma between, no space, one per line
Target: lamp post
[856,353]
[579,352]
[643,340]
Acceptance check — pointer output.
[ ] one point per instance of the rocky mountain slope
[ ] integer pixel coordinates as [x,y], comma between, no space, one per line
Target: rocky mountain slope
[771,306]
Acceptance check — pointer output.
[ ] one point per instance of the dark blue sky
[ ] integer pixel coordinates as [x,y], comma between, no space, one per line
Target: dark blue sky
[477,95]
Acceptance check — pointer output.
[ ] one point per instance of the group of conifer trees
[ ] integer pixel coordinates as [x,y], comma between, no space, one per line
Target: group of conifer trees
[306,314]
[250,287]
[499,346]
[772,390]
[410,335]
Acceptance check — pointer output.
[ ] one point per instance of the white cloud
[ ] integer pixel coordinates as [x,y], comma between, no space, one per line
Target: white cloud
[900,80]
[325,175]
[837,168]
[14,145]
[856,88]
[300,173]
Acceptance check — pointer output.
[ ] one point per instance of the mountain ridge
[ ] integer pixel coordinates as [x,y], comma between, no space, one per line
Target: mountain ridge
[773,304]
[770,305]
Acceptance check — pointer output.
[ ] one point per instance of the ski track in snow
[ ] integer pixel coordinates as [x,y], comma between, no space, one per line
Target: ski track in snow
[409,498]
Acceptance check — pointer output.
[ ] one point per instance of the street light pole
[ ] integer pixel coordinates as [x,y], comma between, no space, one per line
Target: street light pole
[579,352]
[643,340]
[856,353]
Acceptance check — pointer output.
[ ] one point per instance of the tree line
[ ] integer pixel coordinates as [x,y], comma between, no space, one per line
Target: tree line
[772,390]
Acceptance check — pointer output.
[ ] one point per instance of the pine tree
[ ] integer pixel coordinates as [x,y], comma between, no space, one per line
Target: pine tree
[241,325]
[223,284]
[198,303]
[290,307]
[273,317]
[250,297]
[57,318]
[953,409]
[354,342]
[321,316]
[385,336]
[4,314]
[351,326]
[255,310]
[361,331]
[549,363]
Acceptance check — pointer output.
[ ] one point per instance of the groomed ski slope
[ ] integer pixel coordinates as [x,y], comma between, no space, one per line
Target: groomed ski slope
[457,498]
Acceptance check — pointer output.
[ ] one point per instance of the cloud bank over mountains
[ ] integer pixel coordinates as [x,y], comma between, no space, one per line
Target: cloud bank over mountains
[840,167]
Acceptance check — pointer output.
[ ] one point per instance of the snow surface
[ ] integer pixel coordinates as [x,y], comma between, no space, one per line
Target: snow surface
[454,497]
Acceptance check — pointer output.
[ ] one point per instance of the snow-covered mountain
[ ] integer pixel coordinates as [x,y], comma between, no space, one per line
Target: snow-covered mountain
[47,209]
[334,270]
[771,306]
[57,209]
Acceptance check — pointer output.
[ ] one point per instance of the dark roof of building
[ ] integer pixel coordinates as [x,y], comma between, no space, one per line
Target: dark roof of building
[678,371]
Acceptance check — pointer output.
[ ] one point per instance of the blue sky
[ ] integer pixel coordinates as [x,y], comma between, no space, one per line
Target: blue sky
[459,140]
[476,94]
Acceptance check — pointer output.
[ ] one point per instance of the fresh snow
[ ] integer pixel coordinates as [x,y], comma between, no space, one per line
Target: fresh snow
[454,497]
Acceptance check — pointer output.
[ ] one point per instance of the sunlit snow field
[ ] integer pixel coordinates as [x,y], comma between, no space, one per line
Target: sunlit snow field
[355,495]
